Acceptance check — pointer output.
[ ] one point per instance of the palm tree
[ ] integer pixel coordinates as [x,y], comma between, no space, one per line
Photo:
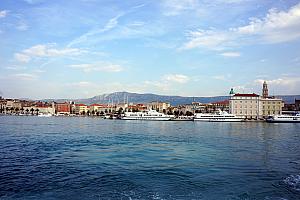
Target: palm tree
[12,109]
[88,113]
[31,110]
[27,111]
[37,111]
[17,110]
[22,110]
[93,112]
[7,109]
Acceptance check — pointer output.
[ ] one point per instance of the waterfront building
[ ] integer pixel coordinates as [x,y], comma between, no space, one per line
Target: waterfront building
[138,107]
[45,109]
[158,106]
[221,105]
[63,108]
[270,106]
[244,105]
[80,109]
[253,106]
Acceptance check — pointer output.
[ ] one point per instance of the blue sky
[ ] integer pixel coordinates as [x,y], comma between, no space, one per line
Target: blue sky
[82,48]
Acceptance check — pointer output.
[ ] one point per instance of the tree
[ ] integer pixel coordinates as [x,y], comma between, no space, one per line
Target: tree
[106,111]
[120,111]
[176,113]
[188,113]
[22,110]
[164,111]
[98,113]
[37,111]
[181,113]
[17,110]
[12,109]
[31,110]
[88,113]
[83,113]
[170,112]
[27,111]
[101,113]
[93,112]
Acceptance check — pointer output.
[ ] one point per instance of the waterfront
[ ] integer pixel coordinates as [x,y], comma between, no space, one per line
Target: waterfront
[90,158]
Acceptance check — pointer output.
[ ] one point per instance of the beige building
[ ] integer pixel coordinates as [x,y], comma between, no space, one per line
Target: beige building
[254,106]
[159,106]
[270,106]
[80,109]
[245,105]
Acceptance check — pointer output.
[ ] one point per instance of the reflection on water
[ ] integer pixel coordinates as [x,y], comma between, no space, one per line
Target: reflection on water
[90,158]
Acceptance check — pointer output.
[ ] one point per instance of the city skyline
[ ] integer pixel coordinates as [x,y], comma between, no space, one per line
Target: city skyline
[84,48]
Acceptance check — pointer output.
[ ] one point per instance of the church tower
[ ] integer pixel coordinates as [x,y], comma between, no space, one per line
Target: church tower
[265,91]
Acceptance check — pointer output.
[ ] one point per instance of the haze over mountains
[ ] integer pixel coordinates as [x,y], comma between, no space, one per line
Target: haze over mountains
[121,97]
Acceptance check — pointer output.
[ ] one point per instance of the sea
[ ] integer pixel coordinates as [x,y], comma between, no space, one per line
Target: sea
[81,158]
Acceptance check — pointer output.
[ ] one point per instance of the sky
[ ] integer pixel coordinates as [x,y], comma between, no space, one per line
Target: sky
[83,48]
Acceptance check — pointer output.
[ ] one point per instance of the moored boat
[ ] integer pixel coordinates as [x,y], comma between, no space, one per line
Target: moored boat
[44,115]
[219,116]
[284,118]
[147,115]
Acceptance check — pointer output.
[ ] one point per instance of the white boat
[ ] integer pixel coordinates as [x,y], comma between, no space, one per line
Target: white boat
[219,116]
[147,115]
[44,115]
[284,118]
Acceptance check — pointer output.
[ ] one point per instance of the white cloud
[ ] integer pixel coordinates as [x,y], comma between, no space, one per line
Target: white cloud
[45,51]
[211,39]
[225,77]
[284,81]
[22,26]
[275,27]
[81,84]
[176,7]
[178,78]
[111,23]
[231,54]
[3,13]
[99,66]
[22,57]
[25,76]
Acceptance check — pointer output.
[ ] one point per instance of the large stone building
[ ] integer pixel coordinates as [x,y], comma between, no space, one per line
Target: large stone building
[270,106]
[63,108]
[253,106]
[159,106]
[244,105]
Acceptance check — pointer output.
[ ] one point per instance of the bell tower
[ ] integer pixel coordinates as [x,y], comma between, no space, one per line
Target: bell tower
[265,91]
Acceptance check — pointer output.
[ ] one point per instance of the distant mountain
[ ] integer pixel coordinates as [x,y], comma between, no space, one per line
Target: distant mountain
[120,97]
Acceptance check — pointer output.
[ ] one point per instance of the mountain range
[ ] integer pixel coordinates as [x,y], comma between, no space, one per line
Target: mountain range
[121,97]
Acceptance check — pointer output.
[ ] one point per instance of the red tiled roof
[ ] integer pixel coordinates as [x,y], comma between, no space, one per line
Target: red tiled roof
[80,104]
[247,95]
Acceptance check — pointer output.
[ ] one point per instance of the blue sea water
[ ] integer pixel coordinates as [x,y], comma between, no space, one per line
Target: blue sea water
[89,158]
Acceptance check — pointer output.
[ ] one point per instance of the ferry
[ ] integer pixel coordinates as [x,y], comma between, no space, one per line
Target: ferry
[219,116]
[284,118]
[147,115]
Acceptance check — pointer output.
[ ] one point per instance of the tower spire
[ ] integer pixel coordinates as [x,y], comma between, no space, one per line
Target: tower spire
[265,91]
